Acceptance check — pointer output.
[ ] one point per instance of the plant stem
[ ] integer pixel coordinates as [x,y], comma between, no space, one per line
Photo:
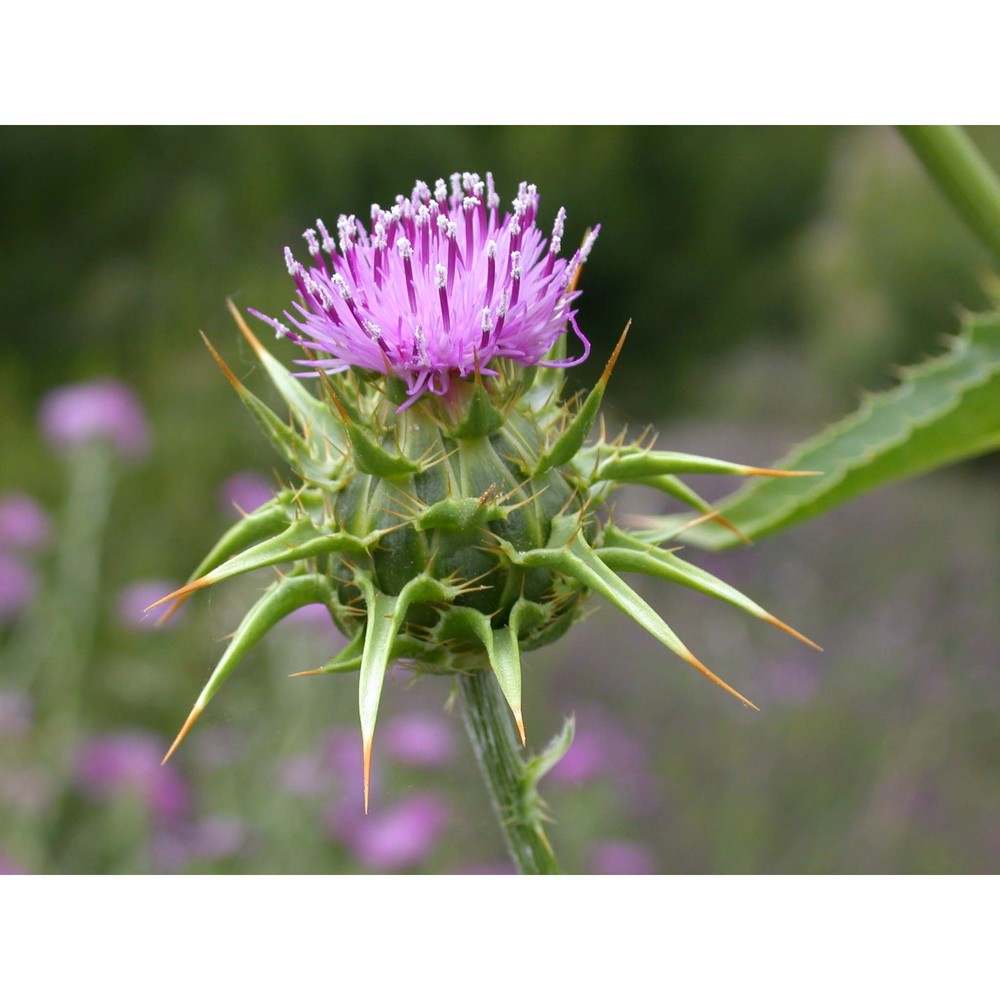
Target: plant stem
[498,751]
[963,176]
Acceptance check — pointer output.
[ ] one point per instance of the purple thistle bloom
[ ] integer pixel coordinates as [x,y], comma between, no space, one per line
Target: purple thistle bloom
[441,285]
[401,836]
[18,586]
[123,762]
[74,414]
[420,739]
[23,523]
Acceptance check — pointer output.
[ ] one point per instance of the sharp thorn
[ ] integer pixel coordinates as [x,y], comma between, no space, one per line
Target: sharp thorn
[520,726]
[750,470]
[367,751]
[185,729]
[181,594]
[778,623]
[226,370]
[610,366]
[689,657]
[241,322]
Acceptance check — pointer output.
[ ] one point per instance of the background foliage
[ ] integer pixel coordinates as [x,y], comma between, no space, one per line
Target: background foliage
[770,275]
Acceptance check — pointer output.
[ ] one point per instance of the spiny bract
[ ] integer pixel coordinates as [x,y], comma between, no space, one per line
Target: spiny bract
[450,509]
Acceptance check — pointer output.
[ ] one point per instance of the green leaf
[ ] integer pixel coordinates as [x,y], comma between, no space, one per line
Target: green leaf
[537,767]
[279,600]
[502,650]
[266,521]
[638,467]
[943,410]
[632,556]
[577,560]
[300,540]
[372,458]
[385,618]
[573,436]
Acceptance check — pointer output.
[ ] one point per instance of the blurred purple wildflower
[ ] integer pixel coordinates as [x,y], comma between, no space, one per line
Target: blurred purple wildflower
[420,739]
[244,491]
[440,286]
[74,414]
[16,713]
[133,600]
[616,857]
[603,747]
[177,847]
[18,586]
[130,762]
[23,522]
[400,836]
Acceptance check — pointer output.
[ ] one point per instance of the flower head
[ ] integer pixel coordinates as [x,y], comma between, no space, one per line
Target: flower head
[453,534]
[130,761]
[74,414]
[23,523]
[441,286]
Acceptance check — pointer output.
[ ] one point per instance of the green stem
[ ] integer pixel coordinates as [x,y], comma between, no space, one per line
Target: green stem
[963,176]
[512,791]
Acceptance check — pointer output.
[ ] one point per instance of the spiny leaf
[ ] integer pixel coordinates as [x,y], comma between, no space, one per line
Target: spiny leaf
[943,410]
[279,600]
[502,651]
[370,457]
[481,417]
[572,439]
[451,514]
[266,521]
[300,540]
[537,767]
[640,466]
[289,444]
[577,560]
[674,487]
[631,556]
[385,617]
[346,661]
[349,658]
[384,620]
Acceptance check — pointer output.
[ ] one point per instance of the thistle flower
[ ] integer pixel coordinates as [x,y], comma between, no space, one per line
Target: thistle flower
[24,524]
[103,409]
[441,287]
[449,509]
[128,761]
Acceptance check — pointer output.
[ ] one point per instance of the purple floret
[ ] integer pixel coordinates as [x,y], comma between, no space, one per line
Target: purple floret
[441,286]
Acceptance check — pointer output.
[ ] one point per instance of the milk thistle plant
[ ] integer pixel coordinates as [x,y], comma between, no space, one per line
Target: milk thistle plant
[450,505]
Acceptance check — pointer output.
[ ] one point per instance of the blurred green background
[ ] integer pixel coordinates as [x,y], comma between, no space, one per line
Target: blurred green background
[770,274]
